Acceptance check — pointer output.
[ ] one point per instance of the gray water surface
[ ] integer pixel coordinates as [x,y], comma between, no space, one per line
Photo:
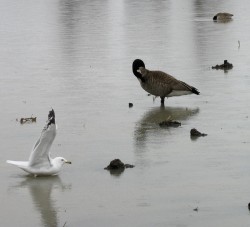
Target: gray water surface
[76,57]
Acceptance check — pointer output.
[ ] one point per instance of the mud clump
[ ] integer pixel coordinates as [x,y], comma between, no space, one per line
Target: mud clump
[24,120]
[195,133]
[130,105]
[225,66]
[117,164]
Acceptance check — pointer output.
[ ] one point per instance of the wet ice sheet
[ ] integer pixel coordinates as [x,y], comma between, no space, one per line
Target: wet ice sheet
[76,57]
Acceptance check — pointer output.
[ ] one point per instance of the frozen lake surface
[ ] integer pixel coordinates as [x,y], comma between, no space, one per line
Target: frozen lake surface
[76,56]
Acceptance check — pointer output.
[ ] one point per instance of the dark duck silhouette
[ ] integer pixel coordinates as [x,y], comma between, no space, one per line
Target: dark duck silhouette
[222,17]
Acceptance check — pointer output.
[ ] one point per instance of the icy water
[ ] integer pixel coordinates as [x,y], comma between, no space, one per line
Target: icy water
[76,57]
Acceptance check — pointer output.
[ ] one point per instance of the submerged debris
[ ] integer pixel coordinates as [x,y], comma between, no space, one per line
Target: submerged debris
[129,166]
[117,164]
[27,120]
[196,209]
[130,105]
[226,66]
[169,123]
[195,133]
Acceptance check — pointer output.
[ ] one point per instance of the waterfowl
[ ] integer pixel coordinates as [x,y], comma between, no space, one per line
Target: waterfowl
[223,16]
[159,83]
[40,162]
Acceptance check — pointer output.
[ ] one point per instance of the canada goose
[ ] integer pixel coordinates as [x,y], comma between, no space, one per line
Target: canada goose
[159,83]
[223,16]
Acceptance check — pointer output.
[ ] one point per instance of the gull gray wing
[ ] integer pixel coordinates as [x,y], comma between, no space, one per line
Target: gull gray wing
[40,155]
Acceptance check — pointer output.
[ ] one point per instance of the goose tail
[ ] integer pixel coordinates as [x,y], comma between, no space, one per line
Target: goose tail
[195,91]
[190,88]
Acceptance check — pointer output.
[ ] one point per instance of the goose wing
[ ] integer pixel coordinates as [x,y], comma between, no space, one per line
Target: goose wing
[159,79]
[165,80]
[224,14]
[174,84]
[182,86]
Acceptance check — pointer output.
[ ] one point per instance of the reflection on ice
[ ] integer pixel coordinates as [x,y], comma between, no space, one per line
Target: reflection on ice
[116,172]
[150,121]
[40,189]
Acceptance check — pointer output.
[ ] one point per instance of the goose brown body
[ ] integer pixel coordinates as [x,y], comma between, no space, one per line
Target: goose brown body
[159,83]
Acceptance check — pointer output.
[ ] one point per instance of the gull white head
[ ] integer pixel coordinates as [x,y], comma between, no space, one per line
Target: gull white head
[59,161]
[40,162]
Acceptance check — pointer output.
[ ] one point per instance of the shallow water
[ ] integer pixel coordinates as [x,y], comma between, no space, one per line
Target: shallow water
[76,57]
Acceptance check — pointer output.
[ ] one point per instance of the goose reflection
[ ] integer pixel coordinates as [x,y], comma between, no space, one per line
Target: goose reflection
[40,190]
[149,123]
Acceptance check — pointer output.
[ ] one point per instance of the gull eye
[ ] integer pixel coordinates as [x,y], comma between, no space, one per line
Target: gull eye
[62,160]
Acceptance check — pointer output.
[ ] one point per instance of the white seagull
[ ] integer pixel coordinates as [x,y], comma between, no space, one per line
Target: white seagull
[40,162]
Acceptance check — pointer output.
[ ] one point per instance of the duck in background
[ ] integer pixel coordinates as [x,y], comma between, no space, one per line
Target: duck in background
[223,17]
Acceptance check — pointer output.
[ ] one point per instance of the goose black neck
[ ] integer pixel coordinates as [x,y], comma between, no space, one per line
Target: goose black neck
[136,65]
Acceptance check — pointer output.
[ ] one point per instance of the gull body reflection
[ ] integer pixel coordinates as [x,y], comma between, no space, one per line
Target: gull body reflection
[40,190]
[149,123]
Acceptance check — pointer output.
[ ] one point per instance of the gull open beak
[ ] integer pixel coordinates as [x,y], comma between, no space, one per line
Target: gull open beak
[68,162]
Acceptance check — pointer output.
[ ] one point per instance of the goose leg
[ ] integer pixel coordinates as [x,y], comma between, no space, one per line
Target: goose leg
[162,100]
